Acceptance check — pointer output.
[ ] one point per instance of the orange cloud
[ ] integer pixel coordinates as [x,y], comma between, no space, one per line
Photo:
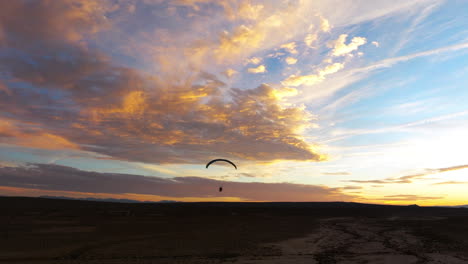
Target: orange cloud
[35,192]
[11,133]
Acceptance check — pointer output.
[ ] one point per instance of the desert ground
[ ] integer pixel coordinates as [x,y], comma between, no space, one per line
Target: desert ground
[37,230]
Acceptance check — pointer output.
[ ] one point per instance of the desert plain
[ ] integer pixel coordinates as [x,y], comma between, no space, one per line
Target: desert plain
[39,230]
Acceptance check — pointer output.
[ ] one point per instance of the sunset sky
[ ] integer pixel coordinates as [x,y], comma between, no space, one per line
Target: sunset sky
[363,101]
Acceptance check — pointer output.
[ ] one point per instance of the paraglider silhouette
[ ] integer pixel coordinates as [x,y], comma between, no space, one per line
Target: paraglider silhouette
[225,160]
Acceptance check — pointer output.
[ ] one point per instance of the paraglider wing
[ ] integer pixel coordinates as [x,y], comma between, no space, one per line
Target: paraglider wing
[225,160]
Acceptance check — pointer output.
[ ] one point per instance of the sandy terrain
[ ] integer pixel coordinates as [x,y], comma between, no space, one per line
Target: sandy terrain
[351,240]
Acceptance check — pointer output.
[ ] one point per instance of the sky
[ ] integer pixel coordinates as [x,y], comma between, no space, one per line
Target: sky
[361,101]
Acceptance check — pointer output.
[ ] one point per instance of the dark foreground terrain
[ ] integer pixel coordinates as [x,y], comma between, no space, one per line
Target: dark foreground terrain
[36,230]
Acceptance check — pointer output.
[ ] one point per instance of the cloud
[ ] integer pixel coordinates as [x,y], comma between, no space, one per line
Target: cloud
[391,61]
[64,93]
[340,48]
[412,177]
[4,88]
[347,133]
[259,69]
[449,182]
[201,123]
[310,39]
[290,60]
[249,37]
[67,179]
[311,79]
[346,78]
[290,47]
[250,11]
[332,68]
[460,167]
[336,173]
[56,21]
[297,80]
[15,133]
[375,43]
[350,187]
[408,197]
[324,24]
[254,60]
[230,72]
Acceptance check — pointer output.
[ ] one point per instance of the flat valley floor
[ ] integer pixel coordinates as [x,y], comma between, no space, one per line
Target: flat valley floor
[36,230]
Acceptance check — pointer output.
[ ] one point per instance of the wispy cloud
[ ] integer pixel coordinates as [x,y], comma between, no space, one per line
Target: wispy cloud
[336,173]
[339,135]
[412,177]
[408,197]
[449,183]
[391,61]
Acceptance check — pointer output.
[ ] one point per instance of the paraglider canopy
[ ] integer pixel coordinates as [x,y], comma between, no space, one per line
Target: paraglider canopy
[225,160]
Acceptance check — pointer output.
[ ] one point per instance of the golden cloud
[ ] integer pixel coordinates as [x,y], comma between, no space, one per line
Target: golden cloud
[242,40]
[295,80]
[230,72]
[310,39]
[290,47]
[259,69]
[324,24]
[290,60]
[340,48]
[329,69]
[254,60]
[180,115]
[312,79]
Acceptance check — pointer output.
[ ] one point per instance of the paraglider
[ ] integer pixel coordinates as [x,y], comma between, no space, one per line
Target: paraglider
[225,160]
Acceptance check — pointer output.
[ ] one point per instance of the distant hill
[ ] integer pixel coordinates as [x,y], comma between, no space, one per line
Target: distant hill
[110,200]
